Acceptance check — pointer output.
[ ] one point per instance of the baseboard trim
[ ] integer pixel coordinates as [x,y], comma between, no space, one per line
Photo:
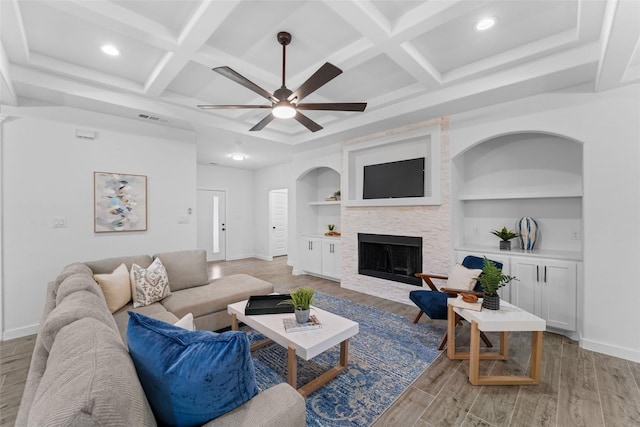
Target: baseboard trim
[20,332]
[611,350]
[264,257]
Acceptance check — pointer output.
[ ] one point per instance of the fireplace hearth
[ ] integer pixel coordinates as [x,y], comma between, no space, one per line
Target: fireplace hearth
[395,258]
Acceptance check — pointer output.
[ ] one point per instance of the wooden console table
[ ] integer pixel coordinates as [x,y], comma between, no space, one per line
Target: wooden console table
[508,318]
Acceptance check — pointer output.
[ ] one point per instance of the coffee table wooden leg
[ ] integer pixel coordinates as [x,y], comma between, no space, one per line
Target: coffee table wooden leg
[324,378]
[536,356]
[504,345]
[234,322]
[451,332]
[292,367]
[474,353]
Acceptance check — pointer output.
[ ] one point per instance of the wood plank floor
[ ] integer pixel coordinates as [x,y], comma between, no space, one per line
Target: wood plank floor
[578,387]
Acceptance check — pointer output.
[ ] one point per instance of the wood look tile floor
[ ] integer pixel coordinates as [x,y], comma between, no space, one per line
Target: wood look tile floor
[578,387]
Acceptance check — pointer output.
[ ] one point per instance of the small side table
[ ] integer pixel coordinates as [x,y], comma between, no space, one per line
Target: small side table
[508,318]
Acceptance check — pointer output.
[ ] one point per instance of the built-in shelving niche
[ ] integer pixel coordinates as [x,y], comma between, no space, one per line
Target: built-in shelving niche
[528,174]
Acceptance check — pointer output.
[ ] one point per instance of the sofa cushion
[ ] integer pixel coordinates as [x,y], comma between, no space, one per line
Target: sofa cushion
[75,306]
[75,268]
[89,380]
[185,269]
[116,287]
[186,322]
[215,296]
[461,277]
[150,284]
[190,377]
[107,265]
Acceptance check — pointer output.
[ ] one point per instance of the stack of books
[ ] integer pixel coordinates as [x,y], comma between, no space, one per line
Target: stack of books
[292,325]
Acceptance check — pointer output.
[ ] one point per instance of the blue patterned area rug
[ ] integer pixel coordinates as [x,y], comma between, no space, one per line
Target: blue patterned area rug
[385,357]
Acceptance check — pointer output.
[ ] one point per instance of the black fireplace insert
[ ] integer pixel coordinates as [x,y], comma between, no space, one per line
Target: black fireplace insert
[395,258]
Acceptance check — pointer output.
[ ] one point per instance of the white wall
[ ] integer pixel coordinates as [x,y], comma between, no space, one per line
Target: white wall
[608,125]
[47,172]
[265,180]
[238,185]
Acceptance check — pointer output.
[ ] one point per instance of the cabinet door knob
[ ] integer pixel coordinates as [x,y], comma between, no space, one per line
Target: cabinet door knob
[537,273]
[545,274]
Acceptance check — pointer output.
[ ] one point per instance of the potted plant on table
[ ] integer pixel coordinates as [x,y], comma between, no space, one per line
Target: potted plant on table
[492,279]
[506,236]
[301,299]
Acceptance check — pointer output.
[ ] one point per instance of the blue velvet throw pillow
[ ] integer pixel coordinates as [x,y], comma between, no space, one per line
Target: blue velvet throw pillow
[190,377]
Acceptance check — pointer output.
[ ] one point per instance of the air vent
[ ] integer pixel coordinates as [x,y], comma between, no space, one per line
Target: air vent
[152,118]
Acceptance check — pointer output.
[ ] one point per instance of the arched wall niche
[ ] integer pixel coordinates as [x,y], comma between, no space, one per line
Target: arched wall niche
[314,212]
[500,178]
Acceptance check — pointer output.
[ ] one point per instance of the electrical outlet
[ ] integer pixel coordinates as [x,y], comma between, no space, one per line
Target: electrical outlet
[183,220]
[59,222]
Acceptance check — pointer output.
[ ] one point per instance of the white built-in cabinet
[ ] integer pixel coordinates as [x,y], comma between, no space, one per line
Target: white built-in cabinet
[546,288]
[319,254]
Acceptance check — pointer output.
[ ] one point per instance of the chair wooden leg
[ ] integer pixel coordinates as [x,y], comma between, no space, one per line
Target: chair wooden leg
[443,344]
[418,316]
[485,339]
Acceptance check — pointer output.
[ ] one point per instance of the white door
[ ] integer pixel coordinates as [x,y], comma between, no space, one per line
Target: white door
[211,213]
[278,212]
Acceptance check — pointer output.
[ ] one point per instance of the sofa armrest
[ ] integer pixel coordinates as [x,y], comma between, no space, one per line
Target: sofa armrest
[278,406]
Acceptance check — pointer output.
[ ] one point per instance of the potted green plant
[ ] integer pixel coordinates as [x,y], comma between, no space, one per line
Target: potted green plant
[505,235]
[492,279]
[301,299]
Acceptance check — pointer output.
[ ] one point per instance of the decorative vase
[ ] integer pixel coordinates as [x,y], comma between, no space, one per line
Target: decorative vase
[505,245]
[491,302]
[302,316]
[527,228]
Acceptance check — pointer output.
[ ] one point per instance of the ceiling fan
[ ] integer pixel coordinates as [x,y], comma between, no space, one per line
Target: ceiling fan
[286,104]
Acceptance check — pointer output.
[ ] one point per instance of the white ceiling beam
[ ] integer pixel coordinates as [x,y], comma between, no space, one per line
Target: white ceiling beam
[18,36]
[195,34]
[619,40]
[8,93]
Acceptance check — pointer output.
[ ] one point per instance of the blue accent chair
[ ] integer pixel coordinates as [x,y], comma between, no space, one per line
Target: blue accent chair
[433,302]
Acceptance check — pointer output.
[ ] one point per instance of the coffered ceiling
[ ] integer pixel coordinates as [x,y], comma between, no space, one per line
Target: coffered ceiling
[410,60]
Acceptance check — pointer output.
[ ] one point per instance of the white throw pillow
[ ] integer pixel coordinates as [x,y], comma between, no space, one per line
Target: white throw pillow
[116,287]
[462,277]
[186,322]
[149,285]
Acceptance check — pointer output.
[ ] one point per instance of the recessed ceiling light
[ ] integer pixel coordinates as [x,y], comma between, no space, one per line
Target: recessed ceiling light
[238,156]
[110,49]
[485,23]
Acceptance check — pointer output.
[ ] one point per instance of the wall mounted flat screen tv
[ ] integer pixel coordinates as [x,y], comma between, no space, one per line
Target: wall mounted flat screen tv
[400,179]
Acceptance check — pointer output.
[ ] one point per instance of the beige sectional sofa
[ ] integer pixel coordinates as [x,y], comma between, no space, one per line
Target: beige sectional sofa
[81,372]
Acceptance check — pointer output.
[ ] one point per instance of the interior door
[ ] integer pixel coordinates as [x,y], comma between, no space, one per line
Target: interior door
[278,207]
[211,213]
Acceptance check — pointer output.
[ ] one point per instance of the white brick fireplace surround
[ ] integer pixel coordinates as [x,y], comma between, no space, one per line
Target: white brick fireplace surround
[431,222]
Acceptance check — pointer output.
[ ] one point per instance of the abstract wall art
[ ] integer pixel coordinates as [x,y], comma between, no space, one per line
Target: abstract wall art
[120,202]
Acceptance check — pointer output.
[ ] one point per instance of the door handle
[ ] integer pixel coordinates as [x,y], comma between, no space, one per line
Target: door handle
[274,227]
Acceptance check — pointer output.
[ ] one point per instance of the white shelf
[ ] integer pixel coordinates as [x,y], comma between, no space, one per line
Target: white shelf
[325,203]
[536,253]
[515,196]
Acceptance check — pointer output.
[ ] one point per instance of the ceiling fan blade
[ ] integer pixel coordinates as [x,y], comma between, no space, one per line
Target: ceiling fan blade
[262,123]
[231,107]
[334,106]
[307,122]
[240,79]
[321,77]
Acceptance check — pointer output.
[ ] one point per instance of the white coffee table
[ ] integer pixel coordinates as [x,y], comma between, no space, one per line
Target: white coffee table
[508,318]
[306,344]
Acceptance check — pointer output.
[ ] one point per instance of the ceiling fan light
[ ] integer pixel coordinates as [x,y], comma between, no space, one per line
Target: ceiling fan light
[283,110]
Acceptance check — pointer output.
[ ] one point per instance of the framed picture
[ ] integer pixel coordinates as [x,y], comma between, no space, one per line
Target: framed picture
[120,202]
